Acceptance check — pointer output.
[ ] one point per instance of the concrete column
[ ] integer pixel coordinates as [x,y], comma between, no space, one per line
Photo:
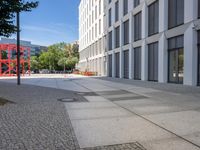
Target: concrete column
[190,57]
[190,44]
[144,73]
[130,46]
[162,47]
[144,69]
[121,57]
[162,60]
[113,64]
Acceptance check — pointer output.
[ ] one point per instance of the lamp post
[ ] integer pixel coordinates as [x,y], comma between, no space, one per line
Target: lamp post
[18,48]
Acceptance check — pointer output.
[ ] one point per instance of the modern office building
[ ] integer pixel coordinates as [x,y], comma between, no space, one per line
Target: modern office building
[35,49]
[153,40]
[91,36]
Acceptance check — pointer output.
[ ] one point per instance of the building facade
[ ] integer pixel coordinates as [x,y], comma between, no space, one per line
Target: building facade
[35,49]
[153,40]
[91,36]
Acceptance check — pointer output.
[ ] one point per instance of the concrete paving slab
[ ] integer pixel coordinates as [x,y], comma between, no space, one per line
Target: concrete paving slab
[96,99]
[169,144]
[97,132]
[185,123]
[89,105]
[97,113]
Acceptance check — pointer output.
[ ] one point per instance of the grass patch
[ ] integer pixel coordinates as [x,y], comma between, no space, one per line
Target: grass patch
[3,101]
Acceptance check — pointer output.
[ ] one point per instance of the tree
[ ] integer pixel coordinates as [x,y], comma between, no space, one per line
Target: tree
[34,63]
[63,62]
[71,62]
[8,8]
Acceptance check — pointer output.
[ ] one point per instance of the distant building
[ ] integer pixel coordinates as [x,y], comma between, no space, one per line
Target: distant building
[35,49]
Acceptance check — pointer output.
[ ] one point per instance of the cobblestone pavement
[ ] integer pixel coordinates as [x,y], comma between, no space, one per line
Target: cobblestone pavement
[37,121]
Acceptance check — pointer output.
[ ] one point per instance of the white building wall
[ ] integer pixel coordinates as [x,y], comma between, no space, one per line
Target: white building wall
[188,29]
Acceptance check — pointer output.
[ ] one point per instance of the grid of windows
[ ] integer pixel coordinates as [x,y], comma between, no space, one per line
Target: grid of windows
[137,26]
[153,18]
[175,13]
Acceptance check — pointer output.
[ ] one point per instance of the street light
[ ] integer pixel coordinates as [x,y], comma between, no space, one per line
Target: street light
[18,47]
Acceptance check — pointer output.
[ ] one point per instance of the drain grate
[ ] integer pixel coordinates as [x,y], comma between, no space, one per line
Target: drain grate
[128,98]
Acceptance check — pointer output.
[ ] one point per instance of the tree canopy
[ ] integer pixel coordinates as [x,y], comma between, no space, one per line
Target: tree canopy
[8,9]
[59,56]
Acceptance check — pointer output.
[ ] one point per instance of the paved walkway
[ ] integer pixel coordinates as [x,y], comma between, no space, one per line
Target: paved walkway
[133,115]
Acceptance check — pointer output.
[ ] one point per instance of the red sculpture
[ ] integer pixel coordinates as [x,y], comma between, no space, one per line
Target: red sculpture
[8,60]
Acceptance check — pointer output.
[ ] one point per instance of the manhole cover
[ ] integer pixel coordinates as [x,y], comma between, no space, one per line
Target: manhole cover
[67,100]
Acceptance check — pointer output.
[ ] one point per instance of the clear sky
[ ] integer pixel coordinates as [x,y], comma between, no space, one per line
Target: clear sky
[52,22]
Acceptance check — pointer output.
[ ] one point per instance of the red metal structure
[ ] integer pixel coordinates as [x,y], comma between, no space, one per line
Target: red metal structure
[8,59]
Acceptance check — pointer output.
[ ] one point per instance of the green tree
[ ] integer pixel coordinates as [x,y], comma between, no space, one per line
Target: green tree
[63,62]
[8,8]
[71,62]
[34,63]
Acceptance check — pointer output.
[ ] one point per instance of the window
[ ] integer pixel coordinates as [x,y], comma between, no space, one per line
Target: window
[176,13]
[137,26]
[126,32]
[125,7]
[153,18]
[116,11]
[136,3]
[137,63]
[126,64]
[99,26]
[153,62]
[198,74]
[109,17]
[110,65]
[110,40]
[117,65]
[117,37]
[99,7]
[176,60]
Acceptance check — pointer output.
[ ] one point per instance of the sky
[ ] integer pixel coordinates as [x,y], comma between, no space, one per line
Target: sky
[53,21]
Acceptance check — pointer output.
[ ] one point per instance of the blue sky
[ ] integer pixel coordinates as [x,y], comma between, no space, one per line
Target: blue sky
[52,22]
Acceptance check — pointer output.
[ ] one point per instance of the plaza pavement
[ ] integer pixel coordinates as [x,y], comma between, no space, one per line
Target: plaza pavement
[107,114]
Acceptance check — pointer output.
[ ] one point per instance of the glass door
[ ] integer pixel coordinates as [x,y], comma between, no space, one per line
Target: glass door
[176,66]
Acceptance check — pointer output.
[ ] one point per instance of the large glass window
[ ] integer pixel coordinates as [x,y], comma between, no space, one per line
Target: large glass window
[110,65]
[117,37]
[126,32]
[109,17]
[137,63]
[117,65]
[137,26]
[153,62]
[110,40]
[126,64]
[198,8]
[153,18]
[125,7]
[136,3]
[175,13]
[116,11]
[198,74]
[176,60]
